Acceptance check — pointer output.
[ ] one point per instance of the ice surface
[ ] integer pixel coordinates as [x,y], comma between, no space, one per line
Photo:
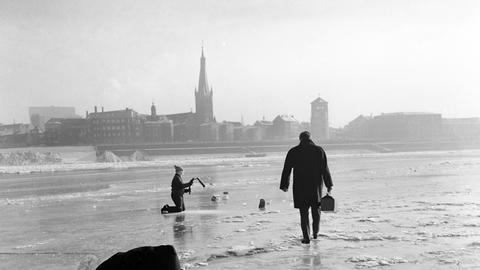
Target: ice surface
[395,210]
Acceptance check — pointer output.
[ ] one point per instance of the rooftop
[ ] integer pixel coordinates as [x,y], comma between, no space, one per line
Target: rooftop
[408,113]
[319,100]
[286,118]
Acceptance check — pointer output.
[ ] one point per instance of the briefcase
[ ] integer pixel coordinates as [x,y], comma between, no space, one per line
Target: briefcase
[327,204]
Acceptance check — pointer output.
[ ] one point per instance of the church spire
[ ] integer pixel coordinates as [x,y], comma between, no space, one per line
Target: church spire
[202,81]
[203,96]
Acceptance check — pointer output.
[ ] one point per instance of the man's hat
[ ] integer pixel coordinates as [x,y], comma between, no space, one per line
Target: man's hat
[177,168]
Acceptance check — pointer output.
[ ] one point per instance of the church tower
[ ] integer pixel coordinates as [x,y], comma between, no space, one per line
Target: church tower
[319,120]
[203,96]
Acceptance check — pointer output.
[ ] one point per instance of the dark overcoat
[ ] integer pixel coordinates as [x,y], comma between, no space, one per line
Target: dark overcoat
[310,171]
[178,187]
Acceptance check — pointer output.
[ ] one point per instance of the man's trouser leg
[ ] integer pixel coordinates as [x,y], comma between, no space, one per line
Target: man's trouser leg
[304,222]
[179,207]
[315,219]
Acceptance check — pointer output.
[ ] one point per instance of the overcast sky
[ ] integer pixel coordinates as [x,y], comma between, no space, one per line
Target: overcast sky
[264,58]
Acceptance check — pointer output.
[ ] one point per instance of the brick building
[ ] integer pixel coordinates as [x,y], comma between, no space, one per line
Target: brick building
[115,127]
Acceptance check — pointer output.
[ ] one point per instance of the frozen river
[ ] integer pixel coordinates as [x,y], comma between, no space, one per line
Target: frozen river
[395,211]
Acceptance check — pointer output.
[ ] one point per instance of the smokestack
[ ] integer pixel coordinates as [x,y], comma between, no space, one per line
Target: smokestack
[86,114]
[102,108]
[95,109]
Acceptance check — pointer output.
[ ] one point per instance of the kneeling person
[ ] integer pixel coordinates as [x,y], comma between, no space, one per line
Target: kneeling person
[178,189]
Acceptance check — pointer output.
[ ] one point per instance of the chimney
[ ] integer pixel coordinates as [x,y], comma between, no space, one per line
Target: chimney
[102,108]
[95,109]
[86,114]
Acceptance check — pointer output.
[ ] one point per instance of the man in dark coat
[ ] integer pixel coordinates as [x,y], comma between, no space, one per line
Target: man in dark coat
[310,171]
[178,189]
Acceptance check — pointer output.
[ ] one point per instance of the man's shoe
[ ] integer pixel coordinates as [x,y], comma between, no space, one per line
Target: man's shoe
[315,236]
[305,241]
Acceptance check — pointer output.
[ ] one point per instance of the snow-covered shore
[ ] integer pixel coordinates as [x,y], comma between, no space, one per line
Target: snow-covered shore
[86,160]
[163,161]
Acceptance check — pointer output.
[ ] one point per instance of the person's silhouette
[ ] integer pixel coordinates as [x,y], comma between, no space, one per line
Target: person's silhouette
[178,189]
[310,171]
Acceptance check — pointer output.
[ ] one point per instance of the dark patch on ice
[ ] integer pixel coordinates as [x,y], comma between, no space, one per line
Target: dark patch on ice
[432,223]
[234,219]
[433,175]
[449,261]
[441,252]
[475,244]
[444,235]
[373,220]
[225,236]
[431,208]
[445,203]
[472,225]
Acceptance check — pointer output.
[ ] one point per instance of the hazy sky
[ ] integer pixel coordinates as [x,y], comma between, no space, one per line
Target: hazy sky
[264,58]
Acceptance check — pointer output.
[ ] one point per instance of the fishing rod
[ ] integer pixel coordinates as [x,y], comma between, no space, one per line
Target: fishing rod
[189,189]
[200,181]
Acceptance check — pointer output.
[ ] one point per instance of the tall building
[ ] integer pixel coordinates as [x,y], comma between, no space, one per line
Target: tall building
[115,127]
[203,96]
[319,120]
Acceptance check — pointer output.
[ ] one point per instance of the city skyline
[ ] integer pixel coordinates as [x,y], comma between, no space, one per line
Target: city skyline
[271,58]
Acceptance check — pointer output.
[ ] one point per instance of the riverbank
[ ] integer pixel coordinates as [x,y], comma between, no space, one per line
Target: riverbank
[88,162]
[86,158]
[282,146]
[157,162]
